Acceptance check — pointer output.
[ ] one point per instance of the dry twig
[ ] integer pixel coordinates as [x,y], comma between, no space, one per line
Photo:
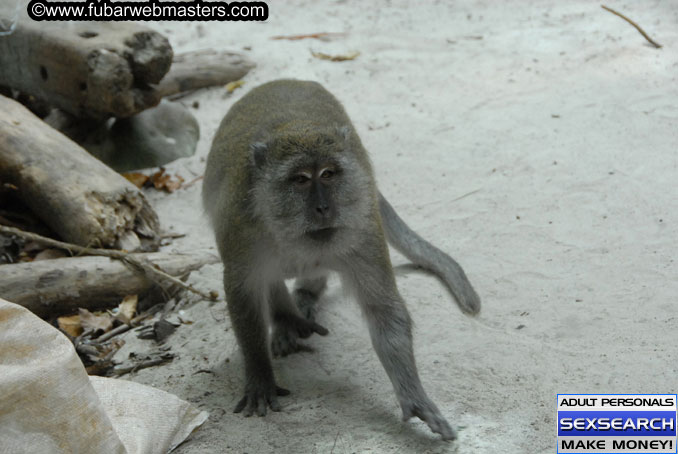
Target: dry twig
[118,371]
[321,36]
[642,32]
[192,182]
[346,57]
[123,256]
[123,328]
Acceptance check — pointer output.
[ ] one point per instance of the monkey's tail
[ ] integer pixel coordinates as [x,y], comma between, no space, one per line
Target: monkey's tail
[427,256]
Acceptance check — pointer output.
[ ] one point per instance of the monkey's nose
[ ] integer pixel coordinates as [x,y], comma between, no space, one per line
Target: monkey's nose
[324,213]
[321,203]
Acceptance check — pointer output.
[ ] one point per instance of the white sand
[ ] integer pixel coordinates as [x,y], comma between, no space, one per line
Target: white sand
[560,125]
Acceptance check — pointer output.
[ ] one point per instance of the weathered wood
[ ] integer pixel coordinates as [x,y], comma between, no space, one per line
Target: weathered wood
[74,249]
[76,195]
[204,68]
[59,286]
[90,70]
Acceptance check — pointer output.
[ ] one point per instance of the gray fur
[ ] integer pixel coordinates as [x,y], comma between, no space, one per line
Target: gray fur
[424,254]
[290,192]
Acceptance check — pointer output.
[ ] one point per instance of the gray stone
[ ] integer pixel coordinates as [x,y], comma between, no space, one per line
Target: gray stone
[151,138]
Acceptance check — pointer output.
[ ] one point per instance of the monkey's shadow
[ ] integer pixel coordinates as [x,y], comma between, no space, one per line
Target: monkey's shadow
[310,381]
[379,416]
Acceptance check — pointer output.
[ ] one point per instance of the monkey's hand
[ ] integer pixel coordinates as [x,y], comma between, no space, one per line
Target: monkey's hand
[289,328]
[429,413]
[259,395]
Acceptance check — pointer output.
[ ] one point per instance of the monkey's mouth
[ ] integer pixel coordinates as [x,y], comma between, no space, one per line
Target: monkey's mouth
[324,234]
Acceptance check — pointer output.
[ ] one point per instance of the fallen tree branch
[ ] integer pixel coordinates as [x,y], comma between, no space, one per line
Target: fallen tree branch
[200,69]
[642,32]
[36,285]
[76,195]
[91,71]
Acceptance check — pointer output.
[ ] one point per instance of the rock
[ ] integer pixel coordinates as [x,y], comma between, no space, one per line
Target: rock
[152,138]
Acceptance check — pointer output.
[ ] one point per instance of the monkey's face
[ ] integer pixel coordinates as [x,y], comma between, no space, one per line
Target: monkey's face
[312,190]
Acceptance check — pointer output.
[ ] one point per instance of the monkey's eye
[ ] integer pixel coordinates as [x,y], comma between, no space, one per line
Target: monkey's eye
[300,179]
[327,174]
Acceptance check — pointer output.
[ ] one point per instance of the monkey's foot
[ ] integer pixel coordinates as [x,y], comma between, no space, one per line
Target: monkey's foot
[307,302]
[429,413]
[260,397]
[285,342]
[288,329]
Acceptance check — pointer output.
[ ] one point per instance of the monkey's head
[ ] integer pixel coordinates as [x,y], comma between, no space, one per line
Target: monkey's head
[312,186]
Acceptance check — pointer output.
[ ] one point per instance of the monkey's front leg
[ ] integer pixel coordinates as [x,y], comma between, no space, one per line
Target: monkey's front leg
[248,317]
[391,332]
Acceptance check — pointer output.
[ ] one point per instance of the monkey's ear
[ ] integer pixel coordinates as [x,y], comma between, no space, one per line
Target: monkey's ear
[344,132]
[259,150]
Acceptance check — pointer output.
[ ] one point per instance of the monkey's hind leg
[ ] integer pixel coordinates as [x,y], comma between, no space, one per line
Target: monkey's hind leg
[307,292]
[295,319]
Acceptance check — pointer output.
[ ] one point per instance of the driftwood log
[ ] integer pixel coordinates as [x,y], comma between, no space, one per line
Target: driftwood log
[76,195]
[59,286]
[89,70]
[201,69]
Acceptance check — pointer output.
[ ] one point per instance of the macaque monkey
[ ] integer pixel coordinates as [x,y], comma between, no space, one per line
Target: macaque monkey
[290,192]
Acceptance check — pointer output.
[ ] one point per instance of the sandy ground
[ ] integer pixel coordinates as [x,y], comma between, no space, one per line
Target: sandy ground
[537,143]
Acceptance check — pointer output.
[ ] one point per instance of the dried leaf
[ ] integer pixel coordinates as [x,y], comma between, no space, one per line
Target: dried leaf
[100,368]
[101,361]
[162,180]
[173,185]
[320,36]
[24,258]
[136,178]
[95,323]
[70,325]
[231,86]
[127,308]
[329,57]
[49,254]
[159,178]
[33,246]
[110,348]
[29,251]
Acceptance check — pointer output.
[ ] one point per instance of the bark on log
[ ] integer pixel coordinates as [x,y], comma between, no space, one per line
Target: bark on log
[90,70]
[76,195]
[59,286]
[204,68]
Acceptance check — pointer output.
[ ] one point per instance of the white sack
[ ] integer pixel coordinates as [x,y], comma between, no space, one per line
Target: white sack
[48,403]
